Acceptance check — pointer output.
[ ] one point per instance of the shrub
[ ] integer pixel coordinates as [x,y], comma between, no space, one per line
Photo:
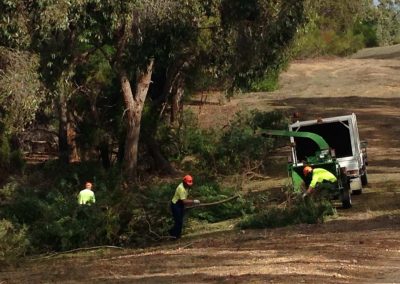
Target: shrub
[212,192]
[13,241]
[309,212]
[225,151]
[45,200]
[269,83]
[368,29]
[187,140]
[345,44]
[4,152]
[316,42]
[240,148]
[152,219]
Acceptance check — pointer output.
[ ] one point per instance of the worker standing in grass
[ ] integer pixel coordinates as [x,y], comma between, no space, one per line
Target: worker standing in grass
[178,203]
[321,179]
[86,196]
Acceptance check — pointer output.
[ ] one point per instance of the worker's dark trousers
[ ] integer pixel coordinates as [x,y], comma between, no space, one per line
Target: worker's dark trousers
[178,211]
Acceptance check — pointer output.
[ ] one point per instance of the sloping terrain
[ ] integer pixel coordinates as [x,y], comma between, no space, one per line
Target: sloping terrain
[362,245]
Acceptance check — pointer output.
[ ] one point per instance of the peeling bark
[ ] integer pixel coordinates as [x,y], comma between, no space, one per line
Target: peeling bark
[134,104]
[176,100]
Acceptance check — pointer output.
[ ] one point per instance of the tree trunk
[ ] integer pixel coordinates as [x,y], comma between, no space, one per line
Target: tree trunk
[73,155]
[162,164]
[105,154]
[176,100]
[63,129]
[134,104]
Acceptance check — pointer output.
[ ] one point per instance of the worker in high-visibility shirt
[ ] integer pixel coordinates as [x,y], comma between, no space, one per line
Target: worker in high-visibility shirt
[86,196]
[321,179]
[178,203]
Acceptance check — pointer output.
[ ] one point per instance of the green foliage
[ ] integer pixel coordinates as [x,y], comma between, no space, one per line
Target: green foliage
[5,152]
[55,222]
[13,241]
[336,28]
[239,148]
[269,83]
[308,211]
[10,160]
[153,219]
[14,24]
[388,22]
[328,42]
[257,40]
[46,201]
[224,151]
[368,29]
[17,161]
[21,91]
[212,192]
[346,44]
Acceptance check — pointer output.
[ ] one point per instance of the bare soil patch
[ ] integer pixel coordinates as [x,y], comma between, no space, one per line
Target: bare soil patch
[361,245]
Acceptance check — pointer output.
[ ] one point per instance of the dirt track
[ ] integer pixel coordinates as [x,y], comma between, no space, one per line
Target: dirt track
[362,245]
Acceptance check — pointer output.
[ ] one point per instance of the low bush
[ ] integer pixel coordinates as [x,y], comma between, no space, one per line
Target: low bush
[123,217]
[317,42]
[269,83]
[13,241]
[234,149]
[240,149]
[308,211]
[211,192]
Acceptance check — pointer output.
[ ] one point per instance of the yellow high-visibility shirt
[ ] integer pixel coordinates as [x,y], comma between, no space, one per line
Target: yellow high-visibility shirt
[180,194]
[86,196]
[319,175]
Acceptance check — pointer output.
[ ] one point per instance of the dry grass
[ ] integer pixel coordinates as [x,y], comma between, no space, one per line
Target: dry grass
[361,245]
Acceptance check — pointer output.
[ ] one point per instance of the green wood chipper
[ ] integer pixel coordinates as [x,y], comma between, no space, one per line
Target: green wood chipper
[324,158]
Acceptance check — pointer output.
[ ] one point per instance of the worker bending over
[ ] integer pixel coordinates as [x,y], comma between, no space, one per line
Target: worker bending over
[320,179]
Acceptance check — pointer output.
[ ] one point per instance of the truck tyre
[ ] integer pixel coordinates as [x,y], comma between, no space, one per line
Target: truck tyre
[346,199]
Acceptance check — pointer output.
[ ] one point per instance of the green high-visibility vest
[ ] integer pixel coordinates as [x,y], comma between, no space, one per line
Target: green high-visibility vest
[319,175]
[86,196]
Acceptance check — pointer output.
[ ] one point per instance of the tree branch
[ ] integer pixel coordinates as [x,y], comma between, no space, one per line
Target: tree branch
[214,203]
[76,250]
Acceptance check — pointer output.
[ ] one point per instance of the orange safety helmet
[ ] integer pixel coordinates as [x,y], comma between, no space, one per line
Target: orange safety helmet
[188,180]
[307,170]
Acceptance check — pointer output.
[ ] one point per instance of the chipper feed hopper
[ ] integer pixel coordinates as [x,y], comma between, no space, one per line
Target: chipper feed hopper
[323,158]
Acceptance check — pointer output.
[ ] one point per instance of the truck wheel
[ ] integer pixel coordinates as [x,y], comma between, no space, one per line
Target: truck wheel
[364,179]
[346,199]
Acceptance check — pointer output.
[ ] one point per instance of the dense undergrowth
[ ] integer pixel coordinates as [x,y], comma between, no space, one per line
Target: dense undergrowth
[40,213]
[302,211]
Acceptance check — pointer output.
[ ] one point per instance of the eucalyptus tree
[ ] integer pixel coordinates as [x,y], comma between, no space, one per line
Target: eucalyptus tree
[142,34]
[14,24]
[256,36]
[56,35]
[127,34]
[340,15]
[388,22]
[235,41]
[21,91]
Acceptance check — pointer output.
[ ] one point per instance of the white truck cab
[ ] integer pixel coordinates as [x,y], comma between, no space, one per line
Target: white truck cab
[341,134]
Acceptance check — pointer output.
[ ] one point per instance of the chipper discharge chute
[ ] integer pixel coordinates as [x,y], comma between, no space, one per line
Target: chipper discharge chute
[323,158]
